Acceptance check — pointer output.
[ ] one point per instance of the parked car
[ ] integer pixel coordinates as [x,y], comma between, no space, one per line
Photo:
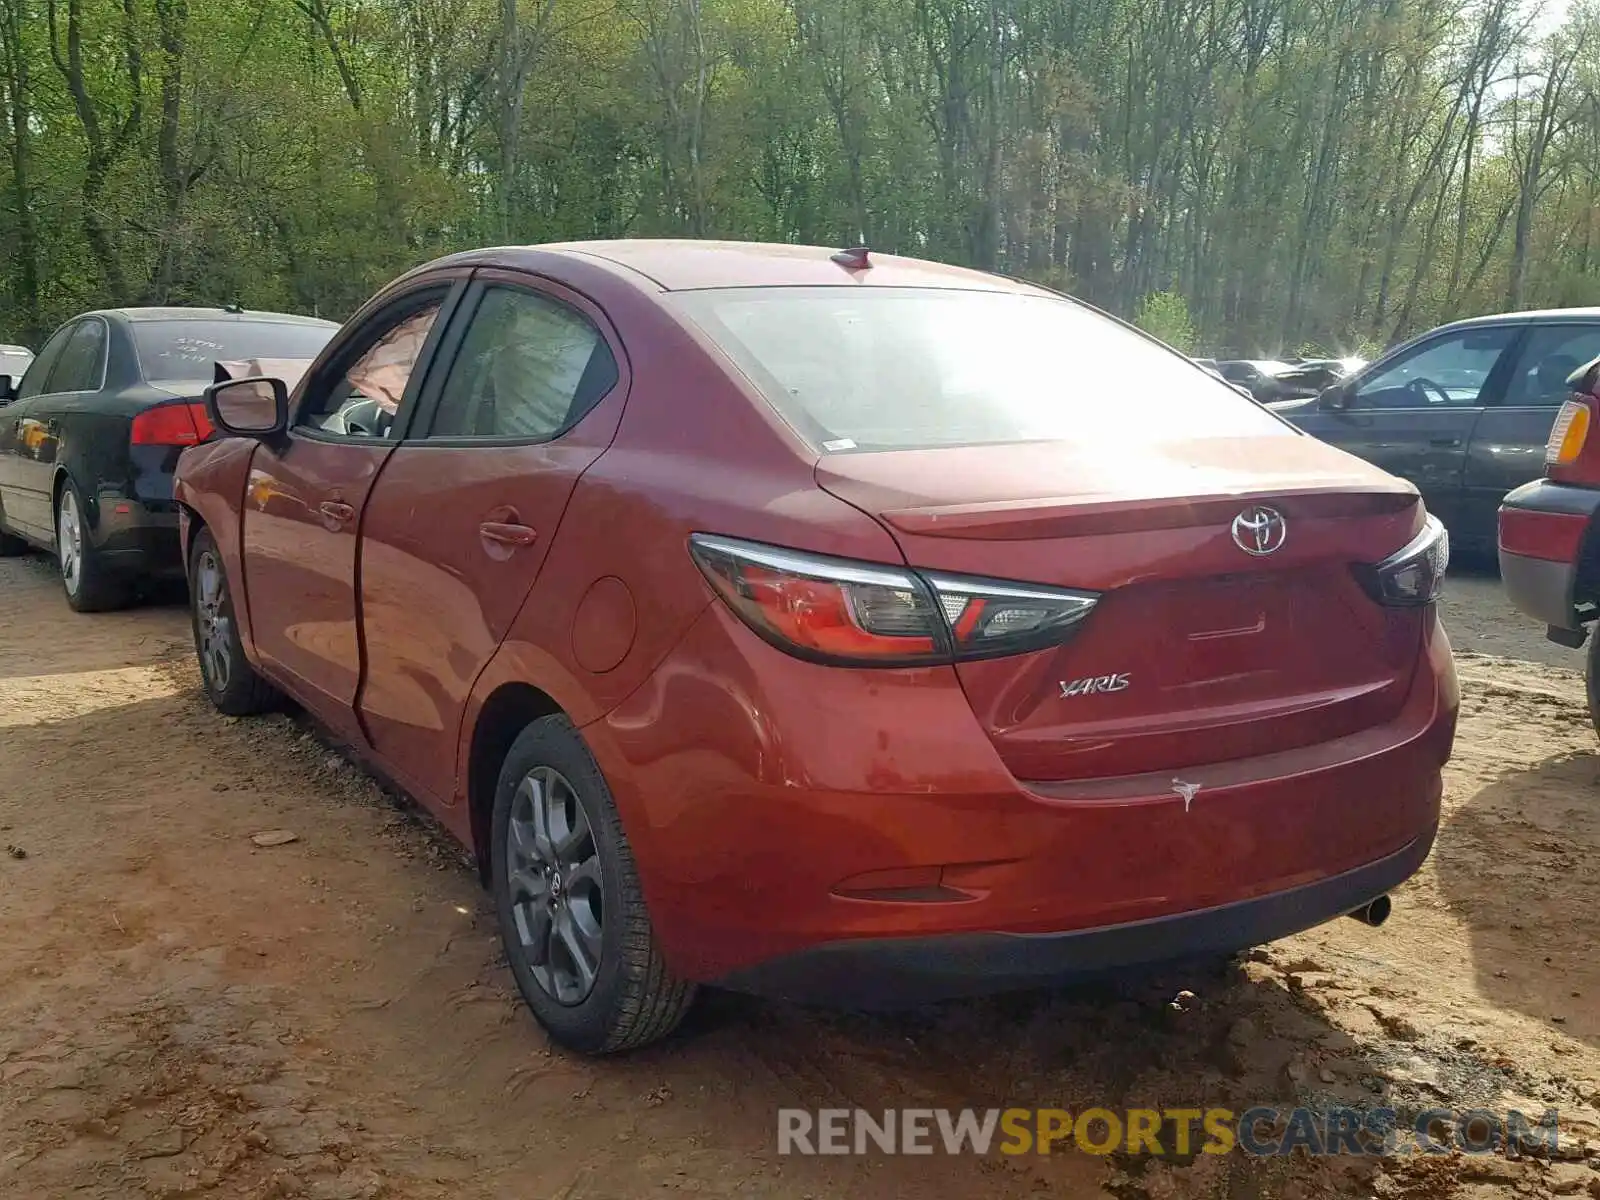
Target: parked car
[91,434]
[790,621]
[1209,366]
[1463,411]
[14,361]
[1257,376]
[1310,378]
[1549,539]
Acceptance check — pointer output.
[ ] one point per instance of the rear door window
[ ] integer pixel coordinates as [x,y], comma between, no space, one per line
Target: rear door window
[529,368]
[82,365]
[880,368]
[1551,353]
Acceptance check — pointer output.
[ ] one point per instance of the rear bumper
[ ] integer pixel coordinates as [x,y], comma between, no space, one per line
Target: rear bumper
[143,540]
[787,817]
[1543,527]
[887,973]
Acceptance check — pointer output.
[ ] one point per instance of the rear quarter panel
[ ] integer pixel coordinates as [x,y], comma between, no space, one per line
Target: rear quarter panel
[210,483]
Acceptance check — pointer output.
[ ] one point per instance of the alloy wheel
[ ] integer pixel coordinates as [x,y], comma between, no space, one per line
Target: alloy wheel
[213,624]
[69,540]
[554,876]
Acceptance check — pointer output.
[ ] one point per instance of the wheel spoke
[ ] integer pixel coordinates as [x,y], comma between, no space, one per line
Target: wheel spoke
[569,826]
[582,948]
[527,883]
[520,842]
[537,786]
[534,931]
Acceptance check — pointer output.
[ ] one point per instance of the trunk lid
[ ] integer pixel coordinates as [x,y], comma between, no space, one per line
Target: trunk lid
[1197,651]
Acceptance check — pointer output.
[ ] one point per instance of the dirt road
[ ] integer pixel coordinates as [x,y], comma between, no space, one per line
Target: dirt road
[184,1013]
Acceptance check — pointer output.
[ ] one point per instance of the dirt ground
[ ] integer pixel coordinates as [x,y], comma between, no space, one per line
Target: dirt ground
[185,1013]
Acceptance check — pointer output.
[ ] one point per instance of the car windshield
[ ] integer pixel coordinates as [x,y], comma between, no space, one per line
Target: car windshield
[902,368]
[189,349]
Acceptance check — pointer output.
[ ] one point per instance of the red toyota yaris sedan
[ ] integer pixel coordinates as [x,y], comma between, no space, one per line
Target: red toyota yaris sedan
[831,625]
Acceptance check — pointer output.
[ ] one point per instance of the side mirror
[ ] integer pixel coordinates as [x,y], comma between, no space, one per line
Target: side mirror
[1337,396]
[8,390]
[256,408]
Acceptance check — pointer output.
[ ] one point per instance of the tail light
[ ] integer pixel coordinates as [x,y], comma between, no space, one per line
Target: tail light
[178,424]
[1572,455]
[1414,574]
[843,611]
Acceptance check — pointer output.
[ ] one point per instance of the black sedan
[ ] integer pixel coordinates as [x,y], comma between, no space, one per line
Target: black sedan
[1463,411]
[90,435]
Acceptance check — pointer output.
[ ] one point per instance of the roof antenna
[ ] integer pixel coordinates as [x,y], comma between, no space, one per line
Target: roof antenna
[853,259]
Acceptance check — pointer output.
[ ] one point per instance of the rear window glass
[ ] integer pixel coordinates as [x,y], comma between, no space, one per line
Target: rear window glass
[900,368]
[189,349]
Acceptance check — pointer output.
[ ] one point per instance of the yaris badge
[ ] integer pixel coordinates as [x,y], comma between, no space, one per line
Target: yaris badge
[1259,530]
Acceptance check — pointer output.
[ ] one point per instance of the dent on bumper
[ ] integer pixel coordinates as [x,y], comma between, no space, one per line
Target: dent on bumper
[898,972]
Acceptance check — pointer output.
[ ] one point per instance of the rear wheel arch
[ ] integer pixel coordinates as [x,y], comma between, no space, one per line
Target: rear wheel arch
[507,711]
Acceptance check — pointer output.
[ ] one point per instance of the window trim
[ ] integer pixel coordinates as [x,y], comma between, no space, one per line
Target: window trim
[1502,400]
[534,284]
[105,359]
[352,341]
[1494,384]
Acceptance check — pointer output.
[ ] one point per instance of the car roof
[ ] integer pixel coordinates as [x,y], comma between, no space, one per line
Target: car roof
[676,264]
[187,313]
[1540,314]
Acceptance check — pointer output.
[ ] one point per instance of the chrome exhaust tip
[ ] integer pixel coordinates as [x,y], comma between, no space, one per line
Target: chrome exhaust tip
[1373,913]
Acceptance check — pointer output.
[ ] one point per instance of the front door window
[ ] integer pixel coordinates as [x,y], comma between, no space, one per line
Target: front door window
[1449,372]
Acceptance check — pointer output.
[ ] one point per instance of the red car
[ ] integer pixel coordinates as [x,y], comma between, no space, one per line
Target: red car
[1549,550]
[829,625]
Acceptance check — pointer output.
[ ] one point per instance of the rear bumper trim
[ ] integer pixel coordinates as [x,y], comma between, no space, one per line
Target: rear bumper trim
[901,972]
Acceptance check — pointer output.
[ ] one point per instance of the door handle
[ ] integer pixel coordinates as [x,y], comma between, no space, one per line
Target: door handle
[505,534]
[1444,441]
[336,511]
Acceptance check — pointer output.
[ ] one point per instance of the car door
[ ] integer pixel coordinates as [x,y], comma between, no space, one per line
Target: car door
[1413,414]
[304,498]
[14,508]
[78,369]
[1507,447]
[467,507]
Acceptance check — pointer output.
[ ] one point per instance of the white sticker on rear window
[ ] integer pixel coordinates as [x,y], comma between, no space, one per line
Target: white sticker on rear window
[839,444]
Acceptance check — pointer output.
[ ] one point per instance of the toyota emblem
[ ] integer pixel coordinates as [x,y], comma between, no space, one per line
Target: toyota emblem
[1259,530]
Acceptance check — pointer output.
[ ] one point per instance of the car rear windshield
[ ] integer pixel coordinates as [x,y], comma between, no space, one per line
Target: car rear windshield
[856,368]
[188,349]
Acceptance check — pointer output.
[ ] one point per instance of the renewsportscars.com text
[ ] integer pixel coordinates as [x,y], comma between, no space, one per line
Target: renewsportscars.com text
[1175,1132]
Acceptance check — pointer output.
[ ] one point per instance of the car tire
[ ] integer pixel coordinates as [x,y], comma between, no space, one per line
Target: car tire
[90,585]
[225,673]
[572,914]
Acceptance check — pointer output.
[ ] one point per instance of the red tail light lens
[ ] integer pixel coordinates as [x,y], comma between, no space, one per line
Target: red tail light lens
[838,610]
[184,424]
